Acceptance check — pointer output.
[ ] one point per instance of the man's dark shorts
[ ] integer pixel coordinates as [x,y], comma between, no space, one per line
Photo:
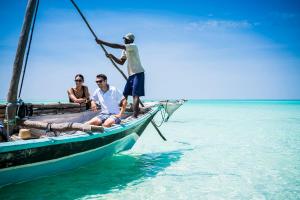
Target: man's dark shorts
[104,117]
[135,85]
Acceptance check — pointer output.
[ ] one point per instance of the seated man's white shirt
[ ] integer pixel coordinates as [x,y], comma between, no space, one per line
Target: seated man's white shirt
[134,65]
[109,100]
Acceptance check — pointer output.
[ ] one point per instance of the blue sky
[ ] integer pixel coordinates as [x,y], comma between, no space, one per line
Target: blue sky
[190,49]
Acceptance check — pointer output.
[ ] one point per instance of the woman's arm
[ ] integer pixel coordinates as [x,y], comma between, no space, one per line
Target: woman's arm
[73,97]
[87,94]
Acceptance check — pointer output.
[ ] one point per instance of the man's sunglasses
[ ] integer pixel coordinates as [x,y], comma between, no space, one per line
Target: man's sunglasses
[78,80]
[99,81]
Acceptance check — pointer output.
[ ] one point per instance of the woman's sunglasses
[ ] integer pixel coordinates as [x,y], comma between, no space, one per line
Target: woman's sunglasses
[78,80]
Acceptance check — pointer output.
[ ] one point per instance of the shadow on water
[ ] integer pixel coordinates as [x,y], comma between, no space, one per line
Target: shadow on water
[105,176]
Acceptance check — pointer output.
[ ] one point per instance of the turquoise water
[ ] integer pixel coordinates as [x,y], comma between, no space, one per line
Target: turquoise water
[215,150]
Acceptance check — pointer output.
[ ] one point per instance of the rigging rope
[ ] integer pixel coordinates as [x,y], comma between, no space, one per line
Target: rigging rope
[162,114]
[28,49]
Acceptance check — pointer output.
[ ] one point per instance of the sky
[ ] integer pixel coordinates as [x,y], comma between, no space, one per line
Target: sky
[189,49]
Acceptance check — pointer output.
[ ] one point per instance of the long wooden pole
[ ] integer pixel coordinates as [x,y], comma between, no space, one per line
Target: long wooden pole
[17,67]
[114,64]
[95,36]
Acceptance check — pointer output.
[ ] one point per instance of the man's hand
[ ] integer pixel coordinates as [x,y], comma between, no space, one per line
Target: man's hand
[118,116]
[99,41]
[94,106]
[109,55]
[80,100]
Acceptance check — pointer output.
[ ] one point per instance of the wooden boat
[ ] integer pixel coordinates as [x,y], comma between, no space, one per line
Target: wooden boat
[72,143]
[29,159]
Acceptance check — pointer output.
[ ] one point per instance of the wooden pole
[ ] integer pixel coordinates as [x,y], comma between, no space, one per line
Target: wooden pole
[114,64]
[95,36]
[17,67]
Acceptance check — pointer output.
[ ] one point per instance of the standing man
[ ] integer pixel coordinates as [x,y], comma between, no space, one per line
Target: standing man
[109,98]
[136,80]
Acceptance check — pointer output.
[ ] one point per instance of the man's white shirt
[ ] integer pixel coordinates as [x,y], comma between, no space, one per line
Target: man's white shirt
[109,100]
[134,65]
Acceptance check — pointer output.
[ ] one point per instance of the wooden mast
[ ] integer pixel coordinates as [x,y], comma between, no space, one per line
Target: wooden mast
[17,67]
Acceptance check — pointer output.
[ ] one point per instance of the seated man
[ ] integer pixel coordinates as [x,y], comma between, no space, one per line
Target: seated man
[109,99]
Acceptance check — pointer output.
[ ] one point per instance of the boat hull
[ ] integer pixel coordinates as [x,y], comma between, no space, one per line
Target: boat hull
[44,158]
[50,167]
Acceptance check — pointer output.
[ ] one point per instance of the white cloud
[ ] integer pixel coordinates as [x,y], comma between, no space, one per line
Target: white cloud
[203,25]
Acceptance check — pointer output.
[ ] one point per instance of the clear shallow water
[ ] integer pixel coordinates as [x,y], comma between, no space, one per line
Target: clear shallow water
[215,150]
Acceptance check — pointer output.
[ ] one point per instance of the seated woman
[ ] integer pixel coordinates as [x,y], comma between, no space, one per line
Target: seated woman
[80,93]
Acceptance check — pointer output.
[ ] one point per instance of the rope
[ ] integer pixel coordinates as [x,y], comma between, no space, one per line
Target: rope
[48,127]
[28,49]
[166,107]
[163,117]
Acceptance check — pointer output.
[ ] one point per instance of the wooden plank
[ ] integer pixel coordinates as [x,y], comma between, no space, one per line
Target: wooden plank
[54,108]
[55,111]
[58,105]
[62,126]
